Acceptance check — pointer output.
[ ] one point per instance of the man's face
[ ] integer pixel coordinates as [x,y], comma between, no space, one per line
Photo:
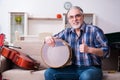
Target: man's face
[75,18]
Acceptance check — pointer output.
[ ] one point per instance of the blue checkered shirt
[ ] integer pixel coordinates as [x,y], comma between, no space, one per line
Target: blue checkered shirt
[93,37]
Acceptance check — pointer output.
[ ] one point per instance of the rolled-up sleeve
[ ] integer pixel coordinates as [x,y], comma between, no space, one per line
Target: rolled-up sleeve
[102,42]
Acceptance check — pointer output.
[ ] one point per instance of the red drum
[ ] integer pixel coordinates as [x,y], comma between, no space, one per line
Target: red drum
[58,56]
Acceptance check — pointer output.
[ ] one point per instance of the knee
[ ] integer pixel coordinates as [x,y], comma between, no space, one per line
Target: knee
[46,74]
[90,76]
[85,76]
[49,74]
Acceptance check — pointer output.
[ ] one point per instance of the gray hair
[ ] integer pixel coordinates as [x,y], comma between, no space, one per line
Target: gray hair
[75,7]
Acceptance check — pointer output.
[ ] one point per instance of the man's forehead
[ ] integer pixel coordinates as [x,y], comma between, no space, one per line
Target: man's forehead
[74,11]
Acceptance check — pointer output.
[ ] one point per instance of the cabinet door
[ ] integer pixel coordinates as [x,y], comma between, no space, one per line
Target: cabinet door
[17,25]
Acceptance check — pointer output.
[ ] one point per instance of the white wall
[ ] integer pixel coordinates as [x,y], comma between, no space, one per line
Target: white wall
[107,11]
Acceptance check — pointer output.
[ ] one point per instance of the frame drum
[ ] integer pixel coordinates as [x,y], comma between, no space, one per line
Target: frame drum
[57,56]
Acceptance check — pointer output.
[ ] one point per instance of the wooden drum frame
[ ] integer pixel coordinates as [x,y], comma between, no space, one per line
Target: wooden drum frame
[58,56]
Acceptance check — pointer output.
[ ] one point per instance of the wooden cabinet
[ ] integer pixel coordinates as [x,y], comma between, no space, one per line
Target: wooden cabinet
[90,18]
[38,25]
[37,18]
[21,24]
[18,25]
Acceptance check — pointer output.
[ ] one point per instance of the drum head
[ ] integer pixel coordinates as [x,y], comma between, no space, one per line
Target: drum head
[56,56]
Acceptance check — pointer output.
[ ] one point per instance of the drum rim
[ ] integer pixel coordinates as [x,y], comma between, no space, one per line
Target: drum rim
[68,60]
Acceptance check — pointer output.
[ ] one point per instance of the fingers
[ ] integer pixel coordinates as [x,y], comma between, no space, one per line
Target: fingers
[50,41]
[83,47]
[83,42]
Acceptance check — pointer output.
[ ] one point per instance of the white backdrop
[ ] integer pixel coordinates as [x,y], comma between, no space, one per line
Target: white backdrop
[106,11]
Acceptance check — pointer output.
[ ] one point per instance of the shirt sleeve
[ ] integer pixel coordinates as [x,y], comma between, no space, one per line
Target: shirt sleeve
[102,42]
[63,34]
[60,35]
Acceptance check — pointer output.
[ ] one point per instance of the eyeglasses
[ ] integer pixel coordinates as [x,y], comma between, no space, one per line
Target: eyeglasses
[76,16]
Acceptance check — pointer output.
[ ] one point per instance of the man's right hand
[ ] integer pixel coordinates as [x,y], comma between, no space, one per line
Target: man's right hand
[50,41]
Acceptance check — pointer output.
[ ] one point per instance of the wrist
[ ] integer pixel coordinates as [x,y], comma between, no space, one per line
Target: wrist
[90,50]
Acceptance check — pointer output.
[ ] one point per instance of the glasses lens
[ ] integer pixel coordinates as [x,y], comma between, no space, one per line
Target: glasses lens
[76,16]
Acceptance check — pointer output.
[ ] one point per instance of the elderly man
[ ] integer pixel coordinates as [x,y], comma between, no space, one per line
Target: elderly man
[88,44]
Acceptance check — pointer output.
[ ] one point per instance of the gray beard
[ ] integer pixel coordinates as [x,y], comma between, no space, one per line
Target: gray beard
[76,27]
